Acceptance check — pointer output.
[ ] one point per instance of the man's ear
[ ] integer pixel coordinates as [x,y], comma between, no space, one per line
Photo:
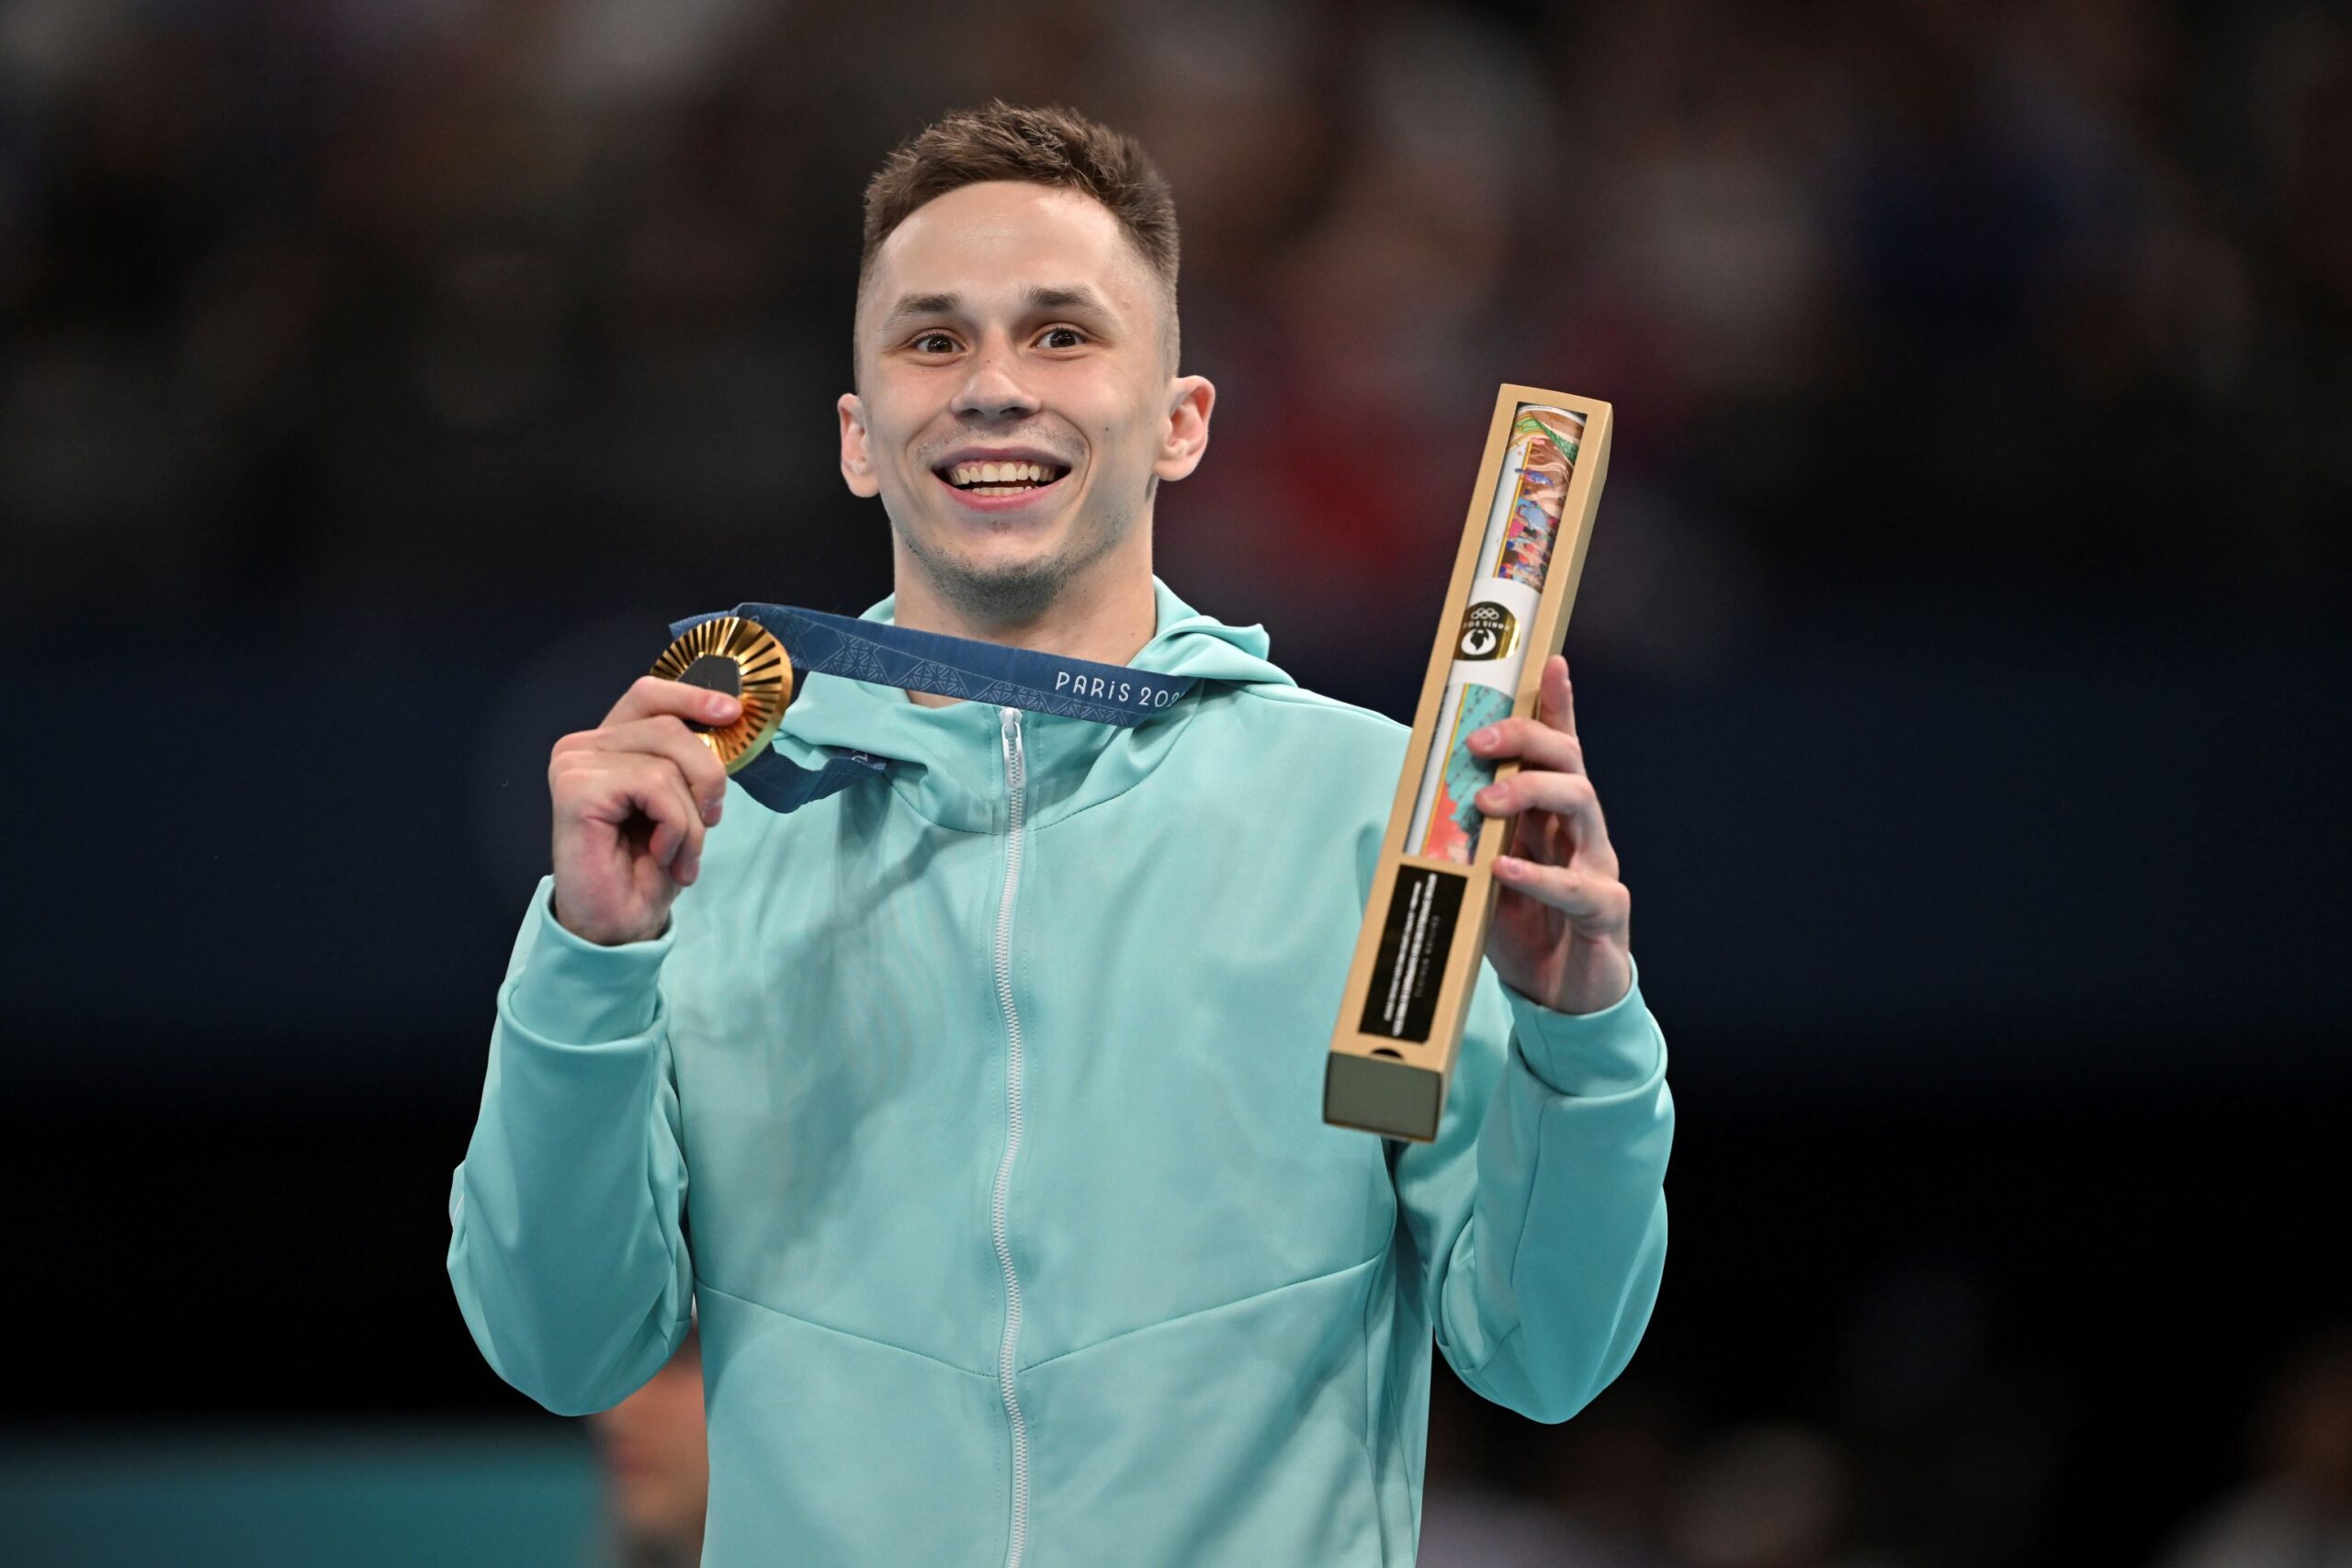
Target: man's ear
[1190,398]
[857,456]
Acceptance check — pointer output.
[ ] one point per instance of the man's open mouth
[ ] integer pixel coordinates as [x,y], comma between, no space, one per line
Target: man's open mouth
[1000,479]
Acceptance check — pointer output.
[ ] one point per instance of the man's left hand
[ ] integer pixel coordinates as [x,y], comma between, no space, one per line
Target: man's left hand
[1559,933]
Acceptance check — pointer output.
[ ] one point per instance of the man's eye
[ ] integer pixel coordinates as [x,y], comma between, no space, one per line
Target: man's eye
[1063,337]
[934,342]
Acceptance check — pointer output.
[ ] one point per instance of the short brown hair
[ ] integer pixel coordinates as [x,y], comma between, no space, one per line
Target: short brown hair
[1040,146]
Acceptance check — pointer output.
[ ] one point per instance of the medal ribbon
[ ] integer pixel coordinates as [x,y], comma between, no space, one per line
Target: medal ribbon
[888,655]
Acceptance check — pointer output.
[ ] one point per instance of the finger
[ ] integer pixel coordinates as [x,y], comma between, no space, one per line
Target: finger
[1530,742]
[614,787]
[1559,704]
[676,843]
[1586,896]
[1569,797]
[649,695]
[668,737]
[686,866]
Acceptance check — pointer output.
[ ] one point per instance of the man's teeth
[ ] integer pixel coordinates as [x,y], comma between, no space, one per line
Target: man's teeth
[1000,474]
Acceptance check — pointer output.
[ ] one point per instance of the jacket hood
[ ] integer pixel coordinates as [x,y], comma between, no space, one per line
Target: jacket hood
[948,762]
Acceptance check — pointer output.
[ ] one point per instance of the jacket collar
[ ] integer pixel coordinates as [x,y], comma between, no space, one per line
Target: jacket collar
[947,762]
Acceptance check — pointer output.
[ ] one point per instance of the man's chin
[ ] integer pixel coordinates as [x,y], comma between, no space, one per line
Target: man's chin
[992,552]
[997,585]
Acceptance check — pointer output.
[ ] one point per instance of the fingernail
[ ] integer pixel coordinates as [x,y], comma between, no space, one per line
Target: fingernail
[722,705]
[1483,737]
[1505,865]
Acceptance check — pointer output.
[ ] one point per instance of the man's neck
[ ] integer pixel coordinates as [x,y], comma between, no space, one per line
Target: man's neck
[1108,628]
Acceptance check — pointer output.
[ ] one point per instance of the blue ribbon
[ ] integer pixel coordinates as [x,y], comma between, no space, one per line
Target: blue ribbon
[888,655]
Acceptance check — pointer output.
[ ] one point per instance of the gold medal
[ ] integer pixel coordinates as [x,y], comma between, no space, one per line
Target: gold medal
[742,659]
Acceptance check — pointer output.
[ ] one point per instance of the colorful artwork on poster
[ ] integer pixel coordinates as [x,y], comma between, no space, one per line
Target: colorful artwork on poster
[1544,443]
[1455,818]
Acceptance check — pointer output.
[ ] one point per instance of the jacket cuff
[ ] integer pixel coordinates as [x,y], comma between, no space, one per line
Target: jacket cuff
[578,993]
[1593,1054]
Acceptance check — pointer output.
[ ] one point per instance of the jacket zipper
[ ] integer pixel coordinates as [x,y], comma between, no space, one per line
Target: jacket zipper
[1016,774]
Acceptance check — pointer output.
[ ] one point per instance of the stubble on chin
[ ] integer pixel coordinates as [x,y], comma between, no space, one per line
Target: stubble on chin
[1019,593]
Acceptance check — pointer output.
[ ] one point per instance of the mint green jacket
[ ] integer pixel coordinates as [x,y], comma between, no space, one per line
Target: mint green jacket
[978,1115]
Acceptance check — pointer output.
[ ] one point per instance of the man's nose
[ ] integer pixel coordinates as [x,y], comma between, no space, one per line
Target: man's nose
[993,390]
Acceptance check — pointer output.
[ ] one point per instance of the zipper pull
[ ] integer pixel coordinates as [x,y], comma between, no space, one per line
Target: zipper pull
[1016,765]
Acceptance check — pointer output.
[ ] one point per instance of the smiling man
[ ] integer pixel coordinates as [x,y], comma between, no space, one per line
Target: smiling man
[976,1109]
[1018,403]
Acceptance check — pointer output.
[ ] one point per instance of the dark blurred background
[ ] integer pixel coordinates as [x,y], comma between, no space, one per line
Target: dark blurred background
[1962,655]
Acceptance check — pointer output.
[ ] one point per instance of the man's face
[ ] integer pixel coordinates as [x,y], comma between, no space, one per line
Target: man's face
[1016,404]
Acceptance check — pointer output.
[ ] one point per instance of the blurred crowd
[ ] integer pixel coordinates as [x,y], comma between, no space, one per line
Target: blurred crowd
[1915,1476]
[437,297]
[436,306]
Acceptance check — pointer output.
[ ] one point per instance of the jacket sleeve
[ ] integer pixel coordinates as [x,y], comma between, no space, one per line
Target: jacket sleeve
[1538,1216]
[566,1246]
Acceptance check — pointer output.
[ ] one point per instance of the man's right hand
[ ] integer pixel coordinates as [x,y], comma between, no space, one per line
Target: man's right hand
[633,798]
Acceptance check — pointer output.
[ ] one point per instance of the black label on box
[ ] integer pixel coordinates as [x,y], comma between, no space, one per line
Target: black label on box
[1488,631]
[1414,940]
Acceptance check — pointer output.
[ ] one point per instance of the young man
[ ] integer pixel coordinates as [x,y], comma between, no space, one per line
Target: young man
[979,1107]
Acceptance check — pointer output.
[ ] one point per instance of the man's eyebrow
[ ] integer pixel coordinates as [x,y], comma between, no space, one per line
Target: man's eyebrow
[923,305]
[1067,297]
